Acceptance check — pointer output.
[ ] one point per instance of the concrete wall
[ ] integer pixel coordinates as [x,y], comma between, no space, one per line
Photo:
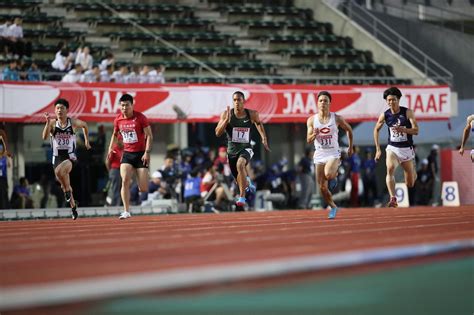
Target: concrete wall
[454,50]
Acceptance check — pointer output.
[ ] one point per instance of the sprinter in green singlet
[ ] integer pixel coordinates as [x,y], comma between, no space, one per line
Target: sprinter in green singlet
[237,123]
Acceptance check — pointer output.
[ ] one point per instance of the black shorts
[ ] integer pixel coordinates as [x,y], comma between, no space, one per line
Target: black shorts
[133,158]
[233,160]
[64,156]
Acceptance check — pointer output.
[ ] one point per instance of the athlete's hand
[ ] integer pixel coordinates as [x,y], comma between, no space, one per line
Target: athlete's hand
[88,145]
[461,150]
[378,154]
[316,132]
[46,117]
[400,129]
[227,115]
[350,151]
[265,145]
[109,155]
[146,159]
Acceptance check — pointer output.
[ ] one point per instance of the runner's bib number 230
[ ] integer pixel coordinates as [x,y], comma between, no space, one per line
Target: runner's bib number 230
[129,136]
[241,135]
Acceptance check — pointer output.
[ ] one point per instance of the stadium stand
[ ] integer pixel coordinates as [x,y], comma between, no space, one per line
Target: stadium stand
[266,44]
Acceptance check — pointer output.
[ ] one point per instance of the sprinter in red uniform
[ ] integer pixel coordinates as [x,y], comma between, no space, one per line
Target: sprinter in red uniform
[137,141]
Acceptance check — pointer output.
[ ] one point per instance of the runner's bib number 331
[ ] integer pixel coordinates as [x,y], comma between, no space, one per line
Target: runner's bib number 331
[129,136]
[241,135]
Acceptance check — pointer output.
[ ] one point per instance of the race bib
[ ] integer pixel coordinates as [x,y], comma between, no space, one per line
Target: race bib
[396,136]
[325,142]
[129,136]
[241,135]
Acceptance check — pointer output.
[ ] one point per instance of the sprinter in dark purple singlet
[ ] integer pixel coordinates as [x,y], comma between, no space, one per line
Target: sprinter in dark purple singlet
[401,128]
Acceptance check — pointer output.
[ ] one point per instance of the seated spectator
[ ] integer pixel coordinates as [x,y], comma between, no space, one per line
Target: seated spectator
[84,58]
[106,75]
[143,76]
[10,73]
[156,188]
[212,186]
[222,159]
[21,196]
[134,75]
[156,76]
[33,74]
[192,191]
[121,75]
[5,164]
[63,60]
[424,183]
[92,75]
[170,177]
[107,61]
[74,75]
[5,43]
[20,46]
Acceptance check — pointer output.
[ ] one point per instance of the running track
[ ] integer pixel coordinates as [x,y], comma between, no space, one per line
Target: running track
[44,257]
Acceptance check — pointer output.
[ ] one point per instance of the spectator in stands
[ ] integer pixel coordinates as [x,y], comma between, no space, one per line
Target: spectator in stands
[84,58]
[369,179]
[212,186]
[106,75]
[33,74]
[222,159]
[192,193]
[156,76]
[74,75]
[305,170]
[5,43]
[10,73]
[21,196]
[20,46]
[22,69]
[157,188]
[112,163]
[63,60]
[109,60]
[92,75]
[134,75]
[424,184]
[5,164]
[170,177]
[121,75]
[143,76]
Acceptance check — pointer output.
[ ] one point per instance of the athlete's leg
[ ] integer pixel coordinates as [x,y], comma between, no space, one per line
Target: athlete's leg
[143,179]
[241,175]
[331,167]
[392,163]
[126,172]
[62,174]
[323,184]
[410,173]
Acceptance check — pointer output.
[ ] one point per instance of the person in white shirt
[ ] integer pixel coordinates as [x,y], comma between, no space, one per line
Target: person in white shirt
[74,75]
[5,43]
[106,75]
[62,61]
[120,76]
[92,75]
[15,33]
[84,57]
[109,60]
[156,76]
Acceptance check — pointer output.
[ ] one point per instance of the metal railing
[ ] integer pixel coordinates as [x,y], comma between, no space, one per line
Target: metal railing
[397,43]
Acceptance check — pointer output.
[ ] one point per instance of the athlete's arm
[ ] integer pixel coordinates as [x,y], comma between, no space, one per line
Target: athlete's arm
[111,145]
[377,128]
[85,130]
[344,125]
[261,130]
[414,126]
[310,131]
[149,141]
[223,122]
[47,128]
[465,136]
[4,139]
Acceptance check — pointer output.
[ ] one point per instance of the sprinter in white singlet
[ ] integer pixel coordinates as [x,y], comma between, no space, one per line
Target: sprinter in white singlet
[322,130]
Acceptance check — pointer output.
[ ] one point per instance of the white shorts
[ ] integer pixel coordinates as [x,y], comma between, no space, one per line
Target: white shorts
[402,154]
[324,157]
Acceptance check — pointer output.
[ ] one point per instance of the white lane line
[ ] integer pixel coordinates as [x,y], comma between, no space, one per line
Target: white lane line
[97,288]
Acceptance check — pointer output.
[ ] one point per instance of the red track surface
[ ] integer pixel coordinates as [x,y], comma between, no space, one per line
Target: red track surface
[48,251]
